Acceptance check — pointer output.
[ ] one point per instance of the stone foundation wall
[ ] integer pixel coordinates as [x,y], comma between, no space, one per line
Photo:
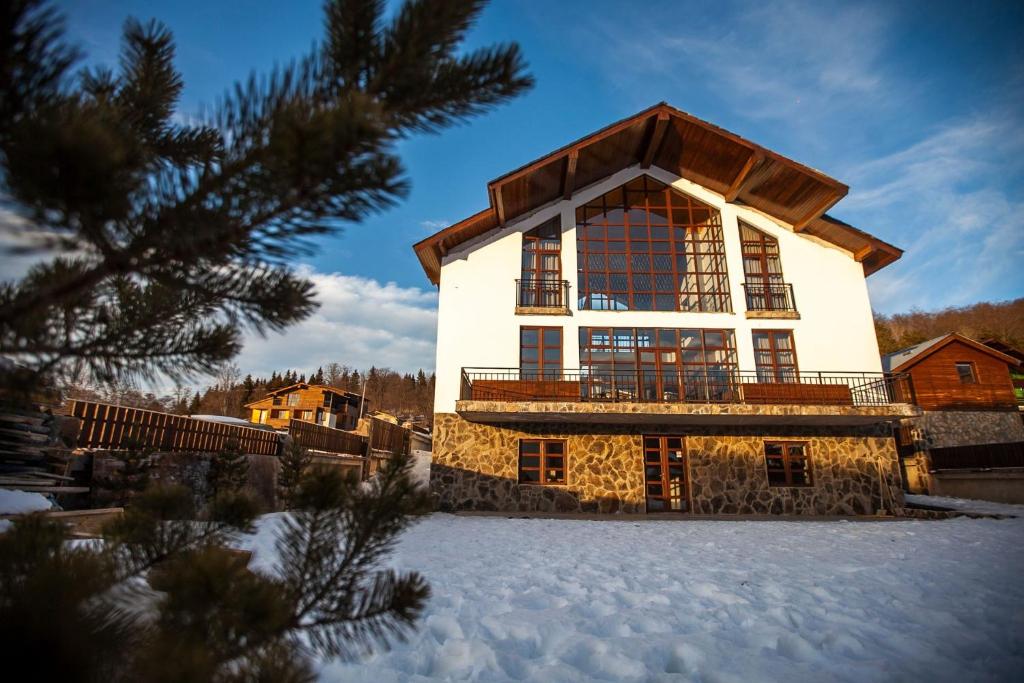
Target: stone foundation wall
[475,467]
[944,428]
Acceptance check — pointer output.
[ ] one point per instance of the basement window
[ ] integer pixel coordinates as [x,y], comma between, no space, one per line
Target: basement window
[966,373]
[788,463]
[541,461]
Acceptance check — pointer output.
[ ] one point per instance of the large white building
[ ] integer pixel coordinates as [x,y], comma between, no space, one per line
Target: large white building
[660,316]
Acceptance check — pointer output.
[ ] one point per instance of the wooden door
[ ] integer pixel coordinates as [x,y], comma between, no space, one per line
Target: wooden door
[665,474]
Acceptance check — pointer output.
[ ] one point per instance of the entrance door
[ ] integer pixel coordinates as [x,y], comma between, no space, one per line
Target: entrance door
[665,474]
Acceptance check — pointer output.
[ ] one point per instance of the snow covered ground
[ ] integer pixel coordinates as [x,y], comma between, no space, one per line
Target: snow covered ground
[14,502]
[710,601]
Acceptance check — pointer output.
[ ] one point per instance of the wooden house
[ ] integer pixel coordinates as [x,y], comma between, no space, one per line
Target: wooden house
[314,403]
[969,439]
[660,316]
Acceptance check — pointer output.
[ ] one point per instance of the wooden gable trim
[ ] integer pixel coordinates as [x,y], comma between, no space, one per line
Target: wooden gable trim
[817,211]
[952,338]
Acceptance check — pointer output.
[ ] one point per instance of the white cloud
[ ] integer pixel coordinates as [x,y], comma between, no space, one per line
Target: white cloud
[778,60]
[949,201]
[360,322]
[434,226]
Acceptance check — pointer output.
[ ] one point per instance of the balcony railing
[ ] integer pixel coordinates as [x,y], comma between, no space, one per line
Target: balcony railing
[688,386]
[535,293]
[776,296]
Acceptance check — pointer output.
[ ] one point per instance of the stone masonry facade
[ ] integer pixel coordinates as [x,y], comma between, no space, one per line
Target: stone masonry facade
[475,467]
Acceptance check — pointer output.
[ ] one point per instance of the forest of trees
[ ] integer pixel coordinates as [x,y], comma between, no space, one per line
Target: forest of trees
[408,394]
[1003,320]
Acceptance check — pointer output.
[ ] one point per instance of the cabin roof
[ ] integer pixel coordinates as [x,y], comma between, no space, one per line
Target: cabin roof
[904,359]
[303,385]
[671,139]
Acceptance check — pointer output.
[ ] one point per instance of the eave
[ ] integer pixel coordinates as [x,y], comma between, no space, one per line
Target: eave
[663,136]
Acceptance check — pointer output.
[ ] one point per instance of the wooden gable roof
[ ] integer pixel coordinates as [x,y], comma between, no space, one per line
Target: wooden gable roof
[299,386]
[904,359]
[666,137]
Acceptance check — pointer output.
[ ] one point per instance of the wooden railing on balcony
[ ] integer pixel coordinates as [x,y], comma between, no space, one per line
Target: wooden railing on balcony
[809,388]
[107,426]
[776,296]
[537,293]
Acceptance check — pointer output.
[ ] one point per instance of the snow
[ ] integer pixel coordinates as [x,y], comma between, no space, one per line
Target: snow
[711,601]
[14,502]
[966,504]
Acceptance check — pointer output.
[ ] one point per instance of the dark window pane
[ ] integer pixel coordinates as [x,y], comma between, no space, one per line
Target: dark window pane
[529,475]
[529,447]
[555,447]
[529,461]
[528,336]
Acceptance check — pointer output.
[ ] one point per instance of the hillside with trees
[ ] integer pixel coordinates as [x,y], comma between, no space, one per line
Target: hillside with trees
[1002,320]
[397,393]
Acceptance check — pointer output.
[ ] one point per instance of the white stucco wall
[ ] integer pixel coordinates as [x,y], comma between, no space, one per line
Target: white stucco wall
[477,325]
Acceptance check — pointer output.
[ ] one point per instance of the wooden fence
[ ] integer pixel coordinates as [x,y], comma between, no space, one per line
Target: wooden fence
[110,427]
[319,438]
[385,436]
[979,456]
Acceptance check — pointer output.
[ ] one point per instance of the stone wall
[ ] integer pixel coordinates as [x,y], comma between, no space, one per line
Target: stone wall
[944,428]
[475,467]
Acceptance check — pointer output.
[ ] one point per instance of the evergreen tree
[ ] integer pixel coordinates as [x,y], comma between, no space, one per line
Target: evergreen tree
[166,237]
[127,478]
[294,464]
[213,618]
[229,470]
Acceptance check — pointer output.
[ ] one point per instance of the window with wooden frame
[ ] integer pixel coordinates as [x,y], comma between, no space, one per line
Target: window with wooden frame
[762,271]
[542,266]
[279,414]
[540,352]
[647,247]
[541,461]
[967,373]
[788,463]
[664,364]
[775,356]
[294,398]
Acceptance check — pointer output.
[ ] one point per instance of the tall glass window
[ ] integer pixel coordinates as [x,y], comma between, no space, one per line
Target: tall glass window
[540,284]
[657,364]
[647,247]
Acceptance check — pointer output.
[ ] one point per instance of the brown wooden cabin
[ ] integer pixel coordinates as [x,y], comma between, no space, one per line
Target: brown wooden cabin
[953,372]
[314,403]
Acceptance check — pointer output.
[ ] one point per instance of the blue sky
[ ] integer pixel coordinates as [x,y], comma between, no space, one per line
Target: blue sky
[919,107]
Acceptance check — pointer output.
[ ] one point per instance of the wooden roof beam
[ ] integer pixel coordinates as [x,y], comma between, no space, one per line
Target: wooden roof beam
[740,181]
[863,253]
[569,180]
[499,206]
[820,208]
[657,135]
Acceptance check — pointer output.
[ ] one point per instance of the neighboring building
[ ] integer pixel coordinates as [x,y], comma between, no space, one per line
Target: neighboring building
[659,316]
[969,441]
[316,403]
[1016,372]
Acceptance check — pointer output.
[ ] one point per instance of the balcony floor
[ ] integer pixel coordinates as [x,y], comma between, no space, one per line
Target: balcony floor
[681,413]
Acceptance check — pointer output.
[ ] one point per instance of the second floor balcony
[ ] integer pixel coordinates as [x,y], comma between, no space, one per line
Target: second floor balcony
[535,296]
[715,396]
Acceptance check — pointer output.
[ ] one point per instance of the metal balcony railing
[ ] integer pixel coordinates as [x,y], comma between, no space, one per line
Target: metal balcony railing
[776,296]
[687,386]
[536,293]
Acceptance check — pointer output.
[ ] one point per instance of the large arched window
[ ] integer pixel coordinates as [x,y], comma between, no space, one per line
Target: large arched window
[646,247]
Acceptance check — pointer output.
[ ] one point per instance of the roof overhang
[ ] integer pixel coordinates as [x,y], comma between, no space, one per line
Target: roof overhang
[951,338]
[663,136]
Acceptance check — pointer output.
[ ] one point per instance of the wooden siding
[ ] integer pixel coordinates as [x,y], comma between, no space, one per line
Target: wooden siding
[937,385]
[111,427]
